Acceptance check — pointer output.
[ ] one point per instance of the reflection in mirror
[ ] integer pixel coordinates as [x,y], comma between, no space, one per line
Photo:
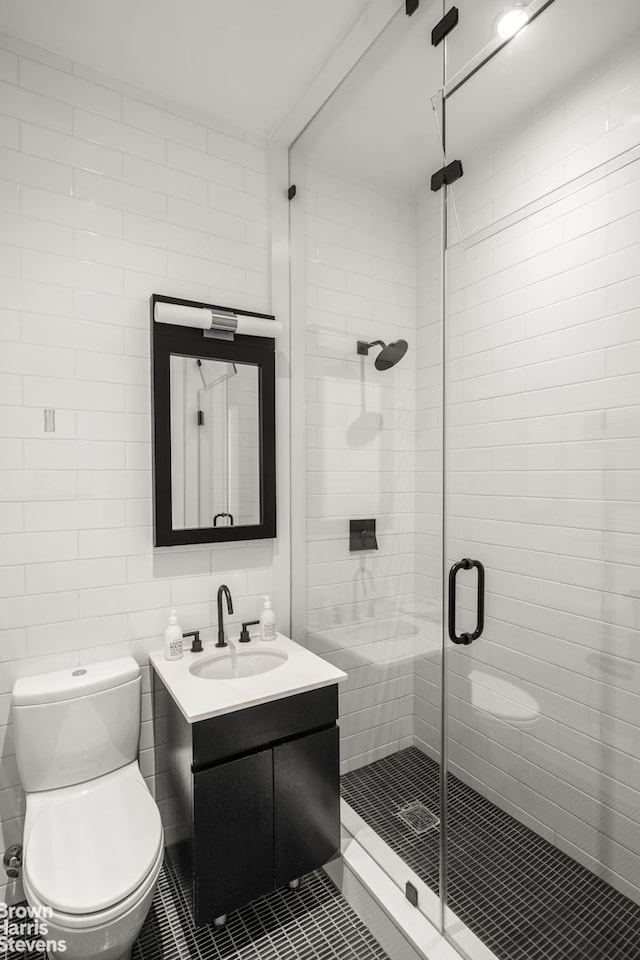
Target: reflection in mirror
[215,442]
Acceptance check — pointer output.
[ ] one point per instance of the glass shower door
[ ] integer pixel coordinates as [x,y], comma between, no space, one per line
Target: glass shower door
[542,494]
[366,258]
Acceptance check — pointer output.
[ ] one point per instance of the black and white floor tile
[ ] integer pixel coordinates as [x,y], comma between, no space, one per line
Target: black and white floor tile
[314,922]
[524,898]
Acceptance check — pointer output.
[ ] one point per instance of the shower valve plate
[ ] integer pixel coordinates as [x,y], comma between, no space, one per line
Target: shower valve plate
[417,816]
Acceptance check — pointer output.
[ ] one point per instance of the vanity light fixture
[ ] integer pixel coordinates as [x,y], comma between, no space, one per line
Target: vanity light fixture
[510,21]
[214,320]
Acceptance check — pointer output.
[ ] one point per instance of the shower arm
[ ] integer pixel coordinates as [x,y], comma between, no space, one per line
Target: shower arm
[363,347]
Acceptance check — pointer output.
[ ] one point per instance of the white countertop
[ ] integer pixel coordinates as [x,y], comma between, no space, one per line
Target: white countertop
[199,698]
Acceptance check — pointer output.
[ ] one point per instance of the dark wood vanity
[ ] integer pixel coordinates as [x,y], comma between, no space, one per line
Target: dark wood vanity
[250,799]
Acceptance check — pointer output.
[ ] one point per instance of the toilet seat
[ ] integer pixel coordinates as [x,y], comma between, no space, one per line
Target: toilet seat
[112,821]
[94,921]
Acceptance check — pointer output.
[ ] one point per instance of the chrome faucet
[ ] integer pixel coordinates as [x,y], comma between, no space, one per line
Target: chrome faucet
[223,588]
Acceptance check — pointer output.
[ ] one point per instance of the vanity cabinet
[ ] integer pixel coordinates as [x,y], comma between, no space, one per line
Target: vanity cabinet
[254,795]
[306,800]
[232,834]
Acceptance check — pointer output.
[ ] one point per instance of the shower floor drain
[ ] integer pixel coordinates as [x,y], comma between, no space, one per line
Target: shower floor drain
[418,817]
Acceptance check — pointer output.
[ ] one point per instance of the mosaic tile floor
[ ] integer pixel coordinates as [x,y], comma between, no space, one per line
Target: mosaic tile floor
[314,922]
[524,898]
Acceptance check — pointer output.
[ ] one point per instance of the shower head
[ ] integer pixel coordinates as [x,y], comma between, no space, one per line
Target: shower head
[390,354]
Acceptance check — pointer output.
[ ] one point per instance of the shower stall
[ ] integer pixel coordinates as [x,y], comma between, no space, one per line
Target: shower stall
[473,189]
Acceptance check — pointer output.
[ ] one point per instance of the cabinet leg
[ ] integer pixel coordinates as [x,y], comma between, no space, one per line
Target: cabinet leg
[220,921]
[294,884]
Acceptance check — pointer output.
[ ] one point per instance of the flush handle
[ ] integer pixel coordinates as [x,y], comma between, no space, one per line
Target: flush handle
[12,861]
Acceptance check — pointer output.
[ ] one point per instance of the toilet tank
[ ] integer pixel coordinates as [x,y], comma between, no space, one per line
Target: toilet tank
[76,724]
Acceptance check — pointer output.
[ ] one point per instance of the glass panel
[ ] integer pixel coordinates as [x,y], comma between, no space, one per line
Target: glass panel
[539,131]
[542,461]
[483,27]
[366,267]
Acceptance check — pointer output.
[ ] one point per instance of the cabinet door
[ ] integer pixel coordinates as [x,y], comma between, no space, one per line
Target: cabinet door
[306,790]
[232,834]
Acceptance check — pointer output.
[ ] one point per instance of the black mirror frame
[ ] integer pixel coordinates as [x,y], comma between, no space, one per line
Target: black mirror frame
[167,339]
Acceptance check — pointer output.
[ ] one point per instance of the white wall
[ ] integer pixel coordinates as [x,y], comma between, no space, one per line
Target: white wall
[107,196]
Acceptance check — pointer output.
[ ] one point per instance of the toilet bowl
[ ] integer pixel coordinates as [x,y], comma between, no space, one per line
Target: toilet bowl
[93,845]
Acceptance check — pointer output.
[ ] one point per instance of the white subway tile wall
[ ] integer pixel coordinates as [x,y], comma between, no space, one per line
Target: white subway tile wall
[360,281]
[543,460]
[107,196]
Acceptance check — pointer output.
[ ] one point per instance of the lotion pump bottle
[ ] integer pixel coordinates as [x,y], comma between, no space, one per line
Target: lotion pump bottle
[267,621]
[173,639]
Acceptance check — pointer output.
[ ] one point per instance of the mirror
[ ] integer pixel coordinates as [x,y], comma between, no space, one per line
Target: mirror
[215,443]
[214,436]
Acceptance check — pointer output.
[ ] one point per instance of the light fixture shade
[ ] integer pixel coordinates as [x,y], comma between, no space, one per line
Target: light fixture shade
[258,327]
[181,316]
[207,318]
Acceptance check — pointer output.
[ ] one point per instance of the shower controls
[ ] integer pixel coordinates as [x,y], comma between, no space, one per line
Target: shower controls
[362,535]
[465,638]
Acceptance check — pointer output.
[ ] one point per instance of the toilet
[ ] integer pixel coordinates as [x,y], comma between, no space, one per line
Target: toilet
[93,840]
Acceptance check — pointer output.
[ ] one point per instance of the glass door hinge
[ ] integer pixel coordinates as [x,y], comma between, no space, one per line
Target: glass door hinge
[444,26]
[446,175]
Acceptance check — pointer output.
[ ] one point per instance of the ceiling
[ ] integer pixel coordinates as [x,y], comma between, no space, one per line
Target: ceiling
[242,63]
[247,63]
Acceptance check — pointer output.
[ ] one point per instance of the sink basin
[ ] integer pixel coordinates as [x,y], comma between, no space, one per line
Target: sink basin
[236,666]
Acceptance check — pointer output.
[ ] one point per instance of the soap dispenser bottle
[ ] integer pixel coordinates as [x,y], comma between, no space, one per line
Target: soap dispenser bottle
[173,639]
[267,621]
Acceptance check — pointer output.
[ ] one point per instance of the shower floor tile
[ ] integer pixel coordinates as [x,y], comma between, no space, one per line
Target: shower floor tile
[524,898]
[314,922]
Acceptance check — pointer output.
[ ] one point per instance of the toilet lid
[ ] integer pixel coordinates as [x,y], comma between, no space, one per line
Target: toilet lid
[93,846]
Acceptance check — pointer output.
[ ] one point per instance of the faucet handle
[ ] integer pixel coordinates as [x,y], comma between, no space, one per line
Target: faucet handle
[196,645]
[244,633]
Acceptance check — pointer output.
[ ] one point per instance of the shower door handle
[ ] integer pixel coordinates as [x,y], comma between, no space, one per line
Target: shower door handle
[466,564]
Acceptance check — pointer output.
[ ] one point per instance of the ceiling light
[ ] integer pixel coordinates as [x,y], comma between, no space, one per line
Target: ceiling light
[510,21]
